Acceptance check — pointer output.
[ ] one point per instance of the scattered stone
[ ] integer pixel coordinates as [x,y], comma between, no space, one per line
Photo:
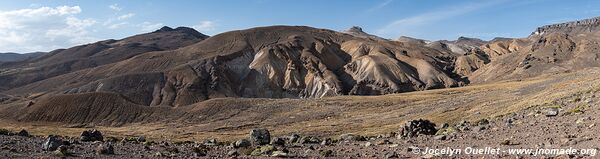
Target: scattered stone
[52,143]
[483,122]
[412,148]
[368,144]
[309,140]
[327,142]
[391,154]
[210,142]
[505,142]
[200,150]
[352,137]
[147,148]
[463,126]
[140,139]
[62,151]
[242,143]
[445,125]
[509,121]
[23,132]
[418,127]
[279,154]
[260,136]
[278,141]
[508,142]
[294,138]
[579,121]
[105,149]
[326,153]
[440,137]
[232,153]
[550,112]
[91,135]
[383,142]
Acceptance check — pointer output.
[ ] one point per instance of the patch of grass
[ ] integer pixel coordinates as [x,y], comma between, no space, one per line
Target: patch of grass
[578,109]
[554,106]
[446,131]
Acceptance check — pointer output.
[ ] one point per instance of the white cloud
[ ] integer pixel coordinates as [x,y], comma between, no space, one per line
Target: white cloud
[43,29]
[115,7]
[205,26]
[148,26]
[380,5]
[117,25]
[402,26]
[125,16]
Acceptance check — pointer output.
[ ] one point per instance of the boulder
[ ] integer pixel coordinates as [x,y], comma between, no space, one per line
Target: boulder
[62,151]
[278,141]
[260,136]
[418,127]
[52,143]
[105,149]
[91,135]
[23,132]
[242,143]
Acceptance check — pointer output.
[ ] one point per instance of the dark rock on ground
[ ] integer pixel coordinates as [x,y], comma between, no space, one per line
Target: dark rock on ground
[260,136]
[278,141]
[23,132]
[105,149]
[62,151]
[242,143]
[309,140]
[418,127]
[294,138]
[91,135]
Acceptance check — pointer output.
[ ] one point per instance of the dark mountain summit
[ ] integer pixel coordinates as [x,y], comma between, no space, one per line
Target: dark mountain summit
[14,57]
[64,61]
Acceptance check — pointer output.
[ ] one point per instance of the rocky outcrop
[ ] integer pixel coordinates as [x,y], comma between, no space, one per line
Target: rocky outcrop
[574,27]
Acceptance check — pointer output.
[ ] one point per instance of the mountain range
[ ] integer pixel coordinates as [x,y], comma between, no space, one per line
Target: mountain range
[179,67]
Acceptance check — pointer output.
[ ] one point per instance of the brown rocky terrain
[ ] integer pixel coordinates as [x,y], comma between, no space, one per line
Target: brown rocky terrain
[179,85]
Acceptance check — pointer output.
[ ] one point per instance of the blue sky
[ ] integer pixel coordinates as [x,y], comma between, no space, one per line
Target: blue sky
[44,25]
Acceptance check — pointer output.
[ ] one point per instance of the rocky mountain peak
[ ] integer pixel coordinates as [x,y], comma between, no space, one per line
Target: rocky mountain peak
[356,29]
[164,29]
[185,30]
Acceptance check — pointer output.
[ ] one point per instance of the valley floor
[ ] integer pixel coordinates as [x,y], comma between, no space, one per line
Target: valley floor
[516,111]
